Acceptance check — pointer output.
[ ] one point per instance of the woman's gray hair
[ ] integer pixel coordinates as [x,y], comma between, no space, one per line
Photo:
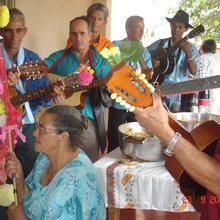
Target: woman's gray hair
[67,118]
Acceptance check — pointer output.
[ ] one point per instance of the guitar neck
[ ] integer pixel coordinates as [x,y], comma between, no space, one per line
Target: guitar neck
[93,84]
[31,95]
[31,69]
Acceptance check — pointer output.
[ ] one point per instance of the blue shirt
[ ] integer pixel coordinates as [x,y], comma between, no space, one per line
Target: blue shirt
[70,64]
[147,59]
[74,193]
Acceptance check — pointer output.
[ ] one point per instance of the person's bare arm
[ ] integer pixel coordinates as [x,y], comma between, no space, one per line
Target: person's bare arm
[192,66]
[13,167]
[16,212]
[200,166]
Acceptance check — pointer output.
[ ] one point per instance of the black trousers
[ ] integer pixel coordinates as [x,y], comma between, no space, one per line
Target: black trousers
[117,117]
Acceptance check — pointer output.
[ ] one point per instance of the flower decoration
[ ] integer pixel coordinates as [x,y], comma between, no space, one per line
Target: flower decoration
[4,16]
[216,22]
[113,55]
[130,51]
[85,75]
[2,107]
[6,195]
[2,103]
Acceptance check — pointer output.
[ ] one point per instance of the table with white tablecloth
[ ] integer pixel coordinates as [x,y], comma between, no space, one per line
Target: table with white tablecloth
[139,185]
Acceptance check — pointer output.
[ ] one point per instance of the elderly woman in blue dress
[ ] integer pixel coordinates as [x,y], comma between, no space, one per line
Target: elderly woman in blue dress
[63,183]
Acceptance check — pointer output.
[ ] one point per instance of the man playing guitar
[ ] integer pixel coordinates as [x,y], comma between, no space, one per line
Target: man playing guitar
[186,56]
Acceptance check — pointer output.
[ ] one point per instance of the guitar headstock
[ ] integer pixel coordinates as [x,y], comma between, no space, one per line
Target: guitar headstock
[198,30]
[33,69]
[130,87]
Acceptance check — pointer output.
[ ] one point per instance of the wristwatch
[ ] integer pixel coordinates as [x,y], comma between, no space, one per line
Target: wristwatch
[190,59]
[169,150]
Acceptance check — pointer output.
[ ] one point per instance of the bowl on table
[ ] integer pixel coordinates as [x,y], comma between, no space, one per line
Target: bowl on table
[135,142]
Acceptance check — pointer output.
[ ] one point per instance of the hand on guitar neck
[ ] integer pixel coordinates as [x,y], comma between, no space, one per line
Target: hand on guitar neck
[58,92]
[155,62]
[27,70]
[13,77]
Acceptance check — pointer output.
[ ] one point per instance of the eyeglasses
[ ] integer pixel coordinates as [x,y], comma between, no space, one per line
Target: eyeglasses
[43,129]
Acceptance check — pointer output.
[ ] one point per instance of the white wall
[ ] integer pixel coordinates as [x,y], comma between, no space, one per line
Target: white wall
[48,22]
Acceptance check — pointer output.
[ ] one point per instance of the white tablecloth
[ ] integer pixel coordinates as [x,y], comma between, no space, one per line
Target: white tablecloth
[139,185]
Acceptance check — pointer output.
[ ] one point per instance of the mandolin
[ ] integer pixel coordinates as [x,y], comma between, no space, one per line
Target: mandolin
[166,58]
[127,85]
[31,69]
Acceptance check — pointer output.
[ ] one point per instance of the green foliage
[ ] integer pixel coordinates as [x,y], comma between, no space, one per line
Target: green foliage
[131,51]
[205,12]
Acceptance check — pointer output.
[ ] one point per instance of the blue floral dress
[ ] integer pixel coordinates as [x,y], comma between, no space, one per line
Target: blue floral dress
[74,193]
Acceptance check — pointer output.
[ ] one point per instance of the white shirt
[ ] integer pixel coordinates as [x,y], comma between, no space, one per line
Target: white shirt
[209,66]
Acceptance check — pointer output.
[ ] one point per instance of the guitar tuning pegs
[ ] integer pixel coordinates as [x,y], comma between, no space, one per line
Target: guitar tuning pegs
[127,105]
[114,95]
[142,76]
[131,109]
[118,99]
[150,87]
[123,102]
[145,81]
[138,72]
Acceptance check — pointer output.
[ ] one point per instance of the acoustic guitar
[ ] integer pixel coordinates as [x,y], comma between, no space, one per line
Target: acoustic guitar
[135,91]
[167,60]
[70,83]
[31,69]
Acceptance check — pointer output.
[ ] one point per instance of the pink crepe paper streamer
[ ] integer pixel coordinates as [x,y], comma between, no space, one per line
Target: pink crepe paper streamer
[13,116]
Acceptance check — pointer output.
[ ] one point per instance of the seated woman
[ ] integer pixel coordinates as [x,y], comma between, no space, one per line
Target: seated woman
[63,183]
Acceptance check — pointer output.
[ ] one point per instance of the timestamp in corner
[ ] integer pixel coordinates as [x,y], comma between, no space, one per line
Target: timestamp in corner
[203,199]
[187,199]
[211,199]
